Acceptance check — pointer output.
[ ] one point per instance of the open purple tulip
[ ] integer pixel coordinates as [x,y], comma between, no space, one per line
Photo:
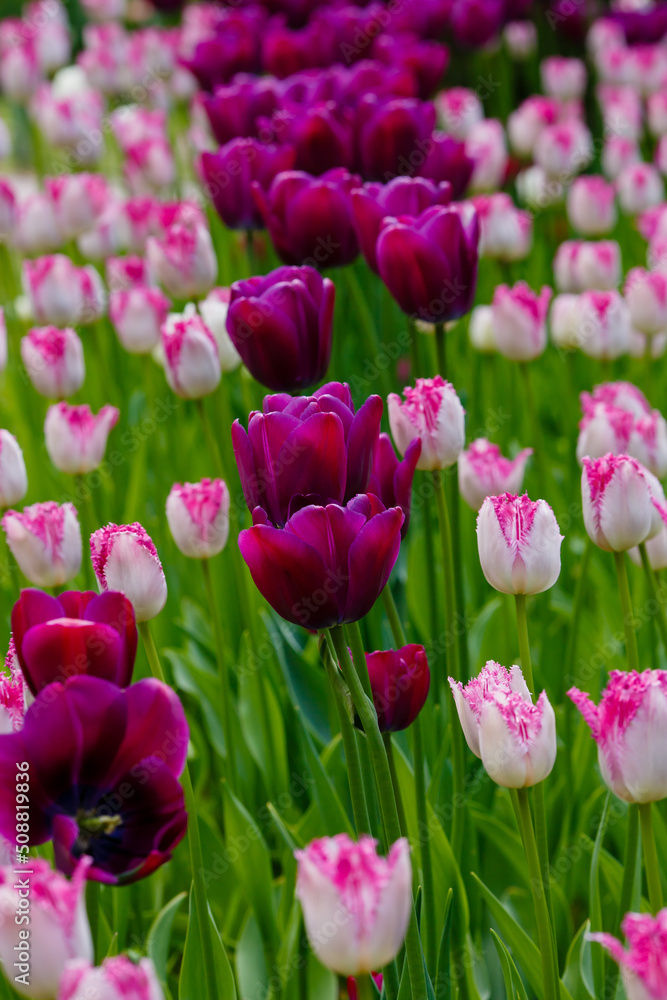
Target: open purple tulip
[391,479]
[307,450]
[328,565]
[392,136]
[103,768]
[75,633]
[446,160]
[400,679]
[230,173]
[234,109]
[282,324]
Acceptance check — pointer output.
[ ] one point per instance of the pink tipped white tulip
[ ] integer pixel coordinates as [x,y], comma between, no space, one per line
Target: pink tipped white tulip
[76,438]
[459,110]
[13,475]
[485,144]
[184,260]
[591,205]
[646,295]
[432,412]
[563,78]
[526,123]
[198,517]
[639,187]
[604,328]
[581,266]
[138,315]
[485,472]
[621,502]
[519,544]
[564,150]
[520,321]
[45,540]
[78,199]
[125,558]
[191,358]
[606,428]
[53,361]
[644,962]
[117,978]
[506,232]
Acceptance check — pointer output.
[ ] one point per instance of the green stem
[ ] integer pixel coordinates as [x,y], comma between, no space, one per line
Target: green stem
[535,429]
[151,651]
[356,643]
[542,917]
[630,864]
[366,713]
[457,563]
[414,349]
[524,644]
[223,673]
[365,988]
[395,622]
[93,910]
[626,608]
[650,858]
[389,749]
[87,511]
[211,440]
[369,330]
[441,349]
[659,610]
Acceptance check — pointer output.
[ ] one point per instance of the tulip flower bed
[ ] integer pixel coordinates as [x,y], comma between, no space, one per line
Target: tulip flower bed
[332,360]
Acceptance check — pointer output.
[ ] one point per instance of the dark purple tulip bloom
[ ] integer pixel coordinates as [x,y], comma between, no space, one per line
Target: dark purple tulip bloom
[321,137]
[328,565]
[430,264]
[281,324]
[230,173]
[103,766]
[370,77]
[233,110]
[391,480]
[233,49]
[476,22]
[392,136]
[427,19]
[286,51]
[646,27]
[446,160]
[374,202]
[310,218]
[307,450]
[427,61]
[75,633]
[400,679]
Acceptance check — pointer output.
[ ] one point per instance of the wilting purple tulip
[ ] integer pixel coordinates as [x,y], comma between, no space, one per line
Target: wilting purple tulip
[328,565]
[393,136]
[446,159]
[374,202]
[104,766]
[308,449]
[282,324]
[75,633]
[400,679]
[391,479]
[230,173]
[310,218]
[429,264]
[233,109]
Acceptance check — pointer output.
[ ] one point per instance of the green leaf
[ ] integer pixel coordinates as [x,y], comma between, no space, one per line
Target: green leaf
[595,905]
[443,980]
[334,818]
[513,981]
[579,984]
[263,726]
[251,968]
[191,980]
[159,935]
[307,684]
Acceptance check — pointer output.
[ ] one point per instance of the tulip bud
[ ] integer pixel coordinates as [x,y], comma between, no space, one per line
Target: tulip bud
[622,502]
[35,225]
[520,321]
[391,480]
[53,361]
[604,330]
[520,37]
[138,315]
[644,963]
[214,310]
[607,428]
[400,679]
[580,265]
[76,439]
[45,540]
[564,322]
[123,273]
[639,187]
[591,206]
[514,738]
[480,330]
[230,173]
[184,259]
[487,148]
[54,290]
[12,706]
[519,544]
[485,472]
[619,152]
[78,200]
[563,78]
[646,297]
[506,233]
[630,728]
[13,475]
[564,149]
[125,558]
[356,904]
[433,413]
[117,978]
[59,929]
[192,364]
[459,109]
[198,516]
[526,123]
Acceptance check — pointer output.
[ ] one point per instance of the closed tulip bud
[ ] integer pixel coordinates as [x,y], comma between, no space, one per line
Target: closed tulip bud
[356,904]
[78,200]
[7,211]
[485,472]
[53,287]
[622,502]
[526,123]
[563,78]
[487,148]
[506,232]
[53,361]
[230,173]
[191,360]
[13,475]
[639,187]
[519,544]
[520,37]
[644,962]
[198,517]
[604,329]
[446,160]
[184,259]
[117,978]
[581,266]
[481,331]
[607,428]
[459,109]
[564,149]
[520,321]
[138,315]
[45,540]
[76,438]
[514,738]
[630,728]
[59,929]
[646,296]
[123,273]
[35,227]
[391,479]
[389,132]
[400,679]
[591,206]
[125,559]
[618,153]
[213,310]
[564,322]
[432,412]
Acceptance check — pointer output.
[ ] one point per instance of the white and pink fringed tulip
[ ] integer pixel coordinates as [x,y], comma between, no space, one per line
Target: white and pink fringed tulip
[356,904]
[564,150]
[520,321]
[184,260]
[618,153]
[526,122]
[198,517]
[53,360]
[630,728]
[625,395]
[138,315]
[563,78]
[607,428]
[591,205]
[459,109]
[35,226]
[117,978]
[646,295]
[485,472]
[125,558]
[432,412]
[61,293]
[639,187]
[78,200]
[485,144]
[76,438]
[59,929]
[644,962]
[13,475]
[45,540]
[604,328]
[191,358]
[12,703]
[622,502]
[581,265]
[514,738]
[506,232]
[519,544]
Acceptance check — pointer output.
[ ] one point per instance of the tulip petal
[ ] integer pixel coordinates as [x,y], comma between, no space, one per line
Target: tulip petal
[32,608]
[361,444]
[114,609]
[371,559]
[66,647]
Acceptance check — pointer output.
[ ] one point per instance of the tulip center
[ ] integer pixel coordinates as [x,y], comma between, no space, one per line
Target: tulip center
[91,826]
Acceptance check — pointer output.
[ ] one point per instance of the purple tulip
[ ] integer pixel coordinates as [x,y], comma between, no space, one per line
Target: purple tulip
[103,767]
[476,22]
[374,202]
[646,27]
[400,679]
[392,136]
[427,61]
[233,49]
[306,450]
[282,324]
[321,136]
[233,109]
[230,173]
[391,479]
[286,51]
[310,218]
[328,565]
[446,159]
[430,263]
[75,633]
